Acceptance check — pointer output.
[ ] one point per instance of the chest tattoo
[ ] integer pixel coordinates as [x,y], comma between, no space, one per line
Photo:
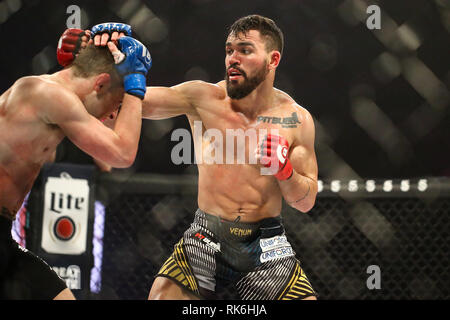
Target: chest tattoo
[287,122]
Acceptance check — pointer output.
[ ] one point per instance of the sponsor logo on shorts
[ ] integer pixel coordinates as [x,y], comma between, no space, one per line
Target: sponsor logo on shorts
[215,246]
[276,254]
[273,243]
[240,232]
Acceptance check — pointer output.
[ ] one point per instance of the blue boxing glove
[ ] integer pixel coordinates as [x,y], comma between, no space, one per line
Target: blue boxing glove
[133,62]
[110,27]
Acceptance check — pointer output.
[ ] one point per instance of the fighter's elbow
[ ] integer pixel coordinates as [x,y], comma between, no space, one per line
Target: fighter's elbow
[121,159]
[127,161]
[304,206]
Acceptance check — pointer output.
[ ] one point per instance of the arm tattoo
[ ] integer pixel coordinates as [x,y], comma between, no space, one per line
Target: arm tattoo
[302,198]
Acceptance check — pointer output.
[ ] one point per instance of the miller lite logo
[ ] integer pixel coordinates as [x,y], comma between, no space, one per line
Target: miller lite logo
[66,209]
[64,228]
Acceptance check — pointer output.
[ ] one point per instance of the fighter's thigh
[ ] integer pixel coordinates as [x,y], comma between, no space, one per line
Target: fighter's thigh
[165,289]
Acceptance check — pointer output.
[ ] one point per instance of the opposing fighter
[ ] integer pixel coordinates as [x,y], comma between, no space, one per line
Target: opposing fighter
[36,113]
[237,234]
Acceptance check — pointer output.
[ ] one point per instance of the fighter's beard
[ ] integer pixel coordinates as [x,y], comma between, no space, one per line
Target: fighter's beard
[239,91]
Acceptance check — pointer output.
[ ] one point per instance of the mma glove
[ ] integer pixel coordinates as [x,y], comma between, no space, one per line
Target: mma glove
[69,45]
[133,62]
[274,154]
[110,27]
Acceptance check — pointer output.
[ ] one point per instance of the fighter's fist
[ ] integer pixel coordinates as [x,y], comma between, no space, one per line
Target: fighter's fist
[109,31]
[273,153]
[69,45]
[133,61]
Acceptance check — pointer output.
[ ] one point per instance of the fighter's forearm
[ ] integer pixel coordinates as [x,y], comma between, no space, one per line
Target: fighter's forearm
[299,191]
[128,126]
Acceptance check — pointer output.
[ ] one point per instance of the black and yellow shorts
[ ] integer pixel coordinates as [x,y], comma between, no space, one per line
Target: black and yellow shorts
[255,257]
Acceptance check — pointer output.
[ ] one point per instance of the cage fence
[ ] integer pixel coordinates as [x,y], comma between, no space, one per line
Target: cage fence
[405,234]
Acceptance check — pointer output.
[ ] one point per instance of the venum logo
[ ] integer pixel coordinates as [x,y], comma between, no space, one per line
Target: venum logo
[240,232]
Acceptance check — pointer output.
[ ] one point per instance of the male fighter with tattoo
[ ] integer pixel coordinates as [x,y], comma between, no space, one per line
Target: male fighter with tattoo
[237,234]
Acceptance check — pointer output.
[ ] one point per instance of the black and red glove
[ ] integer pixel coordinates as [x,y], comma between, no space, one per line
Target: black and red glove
[274,154]
[69,45]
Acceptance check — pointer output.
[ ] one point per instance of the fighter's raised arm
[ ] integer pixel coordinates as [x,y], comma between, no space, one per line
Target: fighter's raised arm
[159,102]
[116,147]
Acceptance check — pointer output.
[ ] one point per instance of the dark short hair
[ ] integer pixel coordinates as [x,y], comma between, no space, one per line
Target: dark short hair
[94,60]
[266,27]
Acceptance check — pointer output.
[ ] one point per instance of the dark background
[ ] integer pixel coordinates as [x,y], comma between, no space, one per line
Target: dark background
[379,98]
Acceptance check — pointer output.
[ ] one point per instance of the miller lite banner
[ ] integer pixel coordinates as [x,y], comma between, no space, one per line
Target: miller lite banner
[62,222]
[65,215]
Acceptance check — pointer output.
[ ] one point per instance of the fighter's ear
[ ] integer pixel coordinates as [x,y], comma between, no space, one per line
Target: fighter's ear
[274,59]
[102,82]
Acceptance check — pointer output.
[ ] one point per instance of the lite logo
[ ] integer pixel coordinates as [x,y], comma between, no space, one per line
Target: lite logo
[65,215]
[60,202]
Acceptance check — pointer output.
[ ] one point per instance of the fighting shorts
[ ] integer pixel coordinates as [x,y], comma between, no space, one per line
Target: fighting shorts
[23,275]
[256,258]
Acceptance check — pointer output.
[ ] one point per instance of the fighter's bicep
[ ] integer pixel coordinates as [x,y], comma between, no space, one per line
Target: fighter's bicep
[304,162]
[164,102]
[182,99]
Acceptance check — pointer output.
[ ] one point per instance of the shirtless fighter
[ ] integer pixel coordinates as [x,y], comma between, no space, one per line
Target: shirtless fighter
[237,234]
[35,115]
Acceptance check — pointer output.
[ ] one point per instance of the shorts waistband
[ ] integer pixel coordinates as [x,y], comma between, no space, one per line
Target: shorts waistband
[239,231]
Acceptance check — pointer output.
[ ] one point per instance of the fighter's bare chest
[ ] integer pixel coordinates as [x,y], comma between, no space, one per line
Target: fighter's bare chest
[283,122]
[35,139]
